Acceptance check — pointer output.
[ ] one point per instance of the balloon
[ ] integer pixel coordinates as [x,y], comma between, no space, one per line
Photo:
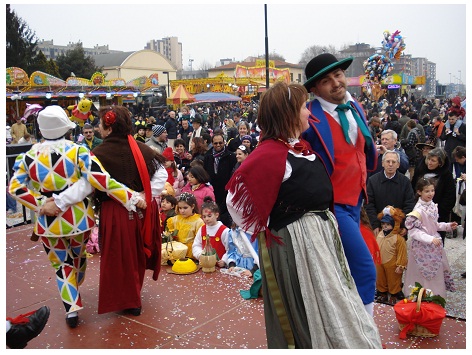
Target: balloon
[377,67]
[393,44]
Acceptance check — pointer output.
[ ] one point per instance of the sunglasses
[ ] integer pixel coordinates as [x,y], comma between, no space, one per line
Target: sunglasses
[218,143]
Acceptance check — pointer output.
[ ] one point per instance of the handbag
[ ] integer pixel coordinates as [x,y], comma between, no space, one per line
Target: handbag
[172,251]
[423,319]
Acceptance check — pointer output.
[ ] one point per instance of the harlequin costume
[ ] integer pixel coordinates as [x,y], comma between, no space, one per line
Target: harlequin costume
[218,237]
[347,165]
[51,167]
[303,246]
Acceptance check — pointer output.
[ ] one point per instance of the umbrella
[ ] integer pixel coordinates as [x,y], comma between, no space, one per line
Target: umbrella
[215,97]
[180,96]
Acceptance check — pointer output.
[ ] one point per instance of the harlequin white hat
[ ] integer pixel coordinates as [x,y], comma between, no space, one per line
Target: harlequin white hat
[53,122]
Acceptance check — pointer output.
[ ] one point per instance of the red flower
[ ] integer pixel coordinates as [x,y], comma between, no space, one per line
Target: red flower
[109,118]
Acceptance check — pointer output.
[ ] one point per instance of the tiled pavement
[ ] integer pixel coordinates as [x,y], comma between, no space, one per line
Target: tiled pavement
[199,311]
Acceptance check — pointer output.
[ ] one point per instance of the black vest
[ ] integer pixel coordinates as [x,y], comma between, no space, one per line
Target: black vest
[308,188]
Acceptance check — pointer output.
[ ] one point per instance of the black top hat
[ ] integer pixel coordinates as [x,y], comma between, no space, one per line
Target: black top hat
[197,119]
[420,146]
[322,64]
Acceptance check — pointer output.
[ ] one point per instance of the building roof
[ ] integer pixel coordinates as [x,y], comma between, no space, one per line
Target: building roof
[277,63]
[111,59]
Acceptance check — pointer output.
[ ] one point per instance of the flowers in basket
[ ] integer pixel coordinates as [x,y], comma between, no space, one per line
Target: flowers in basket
[168,236]
[427,296]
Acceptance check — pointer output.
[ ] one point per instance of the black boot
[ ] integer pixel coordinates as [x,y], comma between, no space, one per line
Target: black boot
[26,327]
[382,297]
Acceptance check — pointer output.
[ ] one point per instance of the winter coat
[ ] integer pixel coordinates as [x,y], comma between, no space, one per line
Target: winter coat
[445,189]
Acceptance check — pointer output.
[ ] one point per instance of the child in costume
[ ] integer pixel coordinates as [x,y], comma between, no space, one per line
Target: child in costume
[242,252]
[427,260]
[187,222]
[393,252]
[140,135]
[213,231]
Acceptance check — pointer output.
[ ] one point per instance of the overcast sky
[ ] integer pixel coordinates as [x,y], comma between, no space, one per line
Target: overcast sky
[209,32]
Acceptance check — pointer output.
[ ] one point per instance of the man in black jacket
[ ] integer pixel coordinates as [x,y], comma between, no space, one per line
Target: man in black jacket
[171,127]
[388,187]
[219,163]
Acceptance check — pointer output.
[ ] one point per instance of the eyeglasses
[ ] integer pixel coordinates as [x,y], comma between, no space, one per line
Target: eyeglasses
[218,143]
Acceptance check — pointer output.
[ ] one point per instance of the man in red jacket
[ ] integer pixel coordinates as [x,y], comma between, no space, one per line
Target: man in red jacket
[339,134]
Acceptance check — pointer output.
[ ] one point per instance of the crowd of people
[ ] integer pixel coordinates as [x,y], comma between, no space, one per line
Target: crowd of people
[277,187]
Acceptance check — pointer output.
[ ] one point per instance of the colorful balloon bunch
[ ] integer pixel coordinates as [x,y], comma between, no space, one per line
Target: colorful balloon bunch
[377,67]
[393,44]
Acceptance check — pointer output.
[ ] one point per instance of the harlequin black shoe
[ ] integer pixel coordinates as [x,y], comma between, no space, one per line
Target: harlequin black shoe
[26,327]
[72,322]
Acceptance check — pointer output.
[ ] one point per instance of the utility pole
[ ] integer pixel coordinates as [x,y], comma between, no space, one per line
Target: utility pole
[266,48]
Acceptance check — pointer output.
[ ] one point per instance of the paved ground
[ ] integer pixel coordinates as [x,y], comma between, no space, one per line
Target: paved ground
[199,311]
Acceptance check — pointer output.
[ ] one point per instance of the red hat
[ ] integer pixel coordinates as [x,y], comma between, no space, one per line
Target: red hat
[168,154]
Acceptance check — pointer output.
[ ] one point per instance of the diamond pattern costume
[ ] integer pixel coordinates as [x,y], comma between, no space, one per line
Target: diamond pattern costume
[52,167]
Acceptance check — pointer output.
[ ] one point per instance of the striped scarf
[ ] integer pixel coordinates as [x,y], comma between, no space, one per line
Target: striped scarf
[217,157]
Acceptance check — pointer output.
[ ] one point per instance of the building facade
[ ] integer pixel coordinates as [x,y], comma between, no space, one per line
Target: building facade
[52,51]
[169,47]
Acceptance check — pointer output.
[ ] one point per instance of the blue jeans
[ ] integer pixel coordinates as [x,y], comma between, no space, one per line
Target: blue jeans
[11,203]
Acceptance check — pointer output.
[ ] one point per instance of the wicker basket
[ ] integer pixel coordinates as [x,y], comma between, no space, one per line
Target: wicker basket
[418,330]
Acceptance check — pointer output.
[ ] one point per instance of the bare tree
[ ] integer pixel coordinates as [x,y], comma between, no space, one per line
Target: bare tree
[315,50]
[205,65]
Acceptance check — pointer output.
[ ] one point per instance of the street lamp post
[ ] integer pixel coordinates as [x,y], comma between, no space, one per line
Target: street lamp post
[191,71]
[168,83]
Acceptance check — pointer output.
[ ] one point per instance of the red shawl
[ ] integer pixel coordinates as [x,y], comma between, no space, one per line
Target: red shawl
[256,184]
[145,179]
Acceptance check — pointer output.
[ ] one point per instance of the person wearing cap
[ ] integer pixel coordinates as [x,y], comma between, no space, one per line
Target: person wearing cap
[198,130]
[59,165]
[393,252]
[339,133]
[158,141]
[175,176]
[246,140]
[424,148]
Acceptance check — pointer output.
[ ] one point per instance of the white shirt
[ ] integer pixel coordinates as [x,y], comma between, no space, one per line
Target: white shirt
[331,109]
